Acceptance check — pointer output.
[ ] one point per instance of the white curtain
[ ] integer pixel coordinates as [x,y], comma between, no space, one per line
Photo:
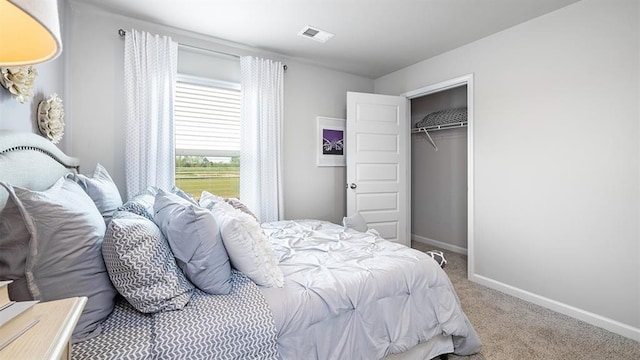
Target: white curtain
[262,84]
[150,70]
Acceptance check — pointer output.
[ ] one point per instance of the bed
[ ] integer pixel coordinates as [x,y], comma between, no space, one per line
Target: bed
[287,290]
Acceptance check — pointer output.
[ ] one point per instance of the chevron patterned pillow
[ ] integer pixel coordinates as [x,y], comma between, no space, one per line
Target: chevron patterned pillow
[141,204]
[141,265]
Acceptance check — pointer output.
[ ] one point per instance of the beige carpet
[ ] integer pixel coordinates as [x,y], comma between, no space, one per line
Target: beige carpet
[511,328]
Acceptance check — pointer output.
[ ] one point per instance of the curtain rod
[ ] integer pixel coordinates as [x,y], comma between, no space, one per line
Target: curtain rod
[123,33]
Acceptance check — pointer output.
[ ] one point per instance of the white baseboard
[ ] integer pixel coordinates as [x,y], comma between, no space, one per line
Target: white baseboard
[439,244]
[588,317]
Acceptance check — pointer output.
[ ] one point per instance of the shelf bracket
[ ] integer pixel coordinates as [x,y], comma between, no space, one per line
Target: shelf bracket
[430,138]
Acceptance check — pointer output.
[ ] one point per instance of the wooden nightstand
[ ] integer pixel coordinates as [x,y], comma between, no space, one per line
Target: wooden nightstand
[50,338]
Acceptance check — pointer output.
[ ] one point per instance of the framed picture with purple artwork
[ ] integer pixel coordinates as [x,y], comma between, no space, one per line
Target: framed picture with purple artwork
[331,141]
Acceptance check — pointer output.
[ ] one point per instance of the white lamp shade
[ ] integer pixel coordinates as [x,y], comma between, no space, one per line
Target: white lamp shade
[29,32]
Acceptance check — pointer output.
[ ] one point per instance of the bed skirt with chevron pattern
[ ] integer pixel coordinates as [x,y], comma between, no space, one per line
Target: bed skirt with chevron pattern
[234,326]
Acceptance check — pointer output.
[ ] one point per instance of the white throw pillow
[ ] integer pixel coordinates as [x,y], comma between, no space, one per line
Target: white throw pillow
[356,222]
[248,246]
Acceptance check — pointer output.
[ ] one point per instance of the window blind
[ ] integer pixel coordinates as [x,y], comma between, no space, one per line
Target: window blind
[207,118]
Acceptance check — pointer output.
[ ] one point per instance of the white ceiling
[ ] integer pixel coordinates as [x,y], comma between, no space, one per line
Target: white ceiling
[372,37]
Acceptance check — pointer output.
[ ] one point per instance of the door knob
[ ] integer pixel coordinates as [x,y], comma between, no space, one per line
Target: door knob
[353,186]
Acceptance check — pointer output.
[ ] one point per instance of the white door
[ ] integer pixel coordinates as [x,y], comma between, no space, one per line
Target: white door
[378,150]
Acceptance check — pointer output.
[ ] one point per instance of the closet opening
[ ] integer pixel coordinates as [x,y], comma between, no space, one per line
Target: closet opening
[441,166]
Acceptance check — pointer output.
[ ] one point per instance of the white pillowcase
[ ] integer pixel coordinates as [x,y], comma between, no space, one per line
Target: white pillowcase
[356,222]
[248,246]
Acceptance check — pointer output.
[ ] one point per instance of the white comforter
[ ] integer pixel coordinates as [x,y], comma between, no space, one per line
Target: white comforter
[353,295]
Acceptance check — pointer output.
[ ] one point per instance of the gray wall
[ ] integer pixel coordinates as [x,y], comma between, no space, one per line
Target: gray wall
[98,107]
[439,178]
[557,176]
[312,191]
[50,79]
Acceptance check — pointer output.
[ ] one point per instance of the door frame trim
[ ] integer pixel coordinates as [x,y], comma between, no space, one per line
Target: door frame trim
[434,88]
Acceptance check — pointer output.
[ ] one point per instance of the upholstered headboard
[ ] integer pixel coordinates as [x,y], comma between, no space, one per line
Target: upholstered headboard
[28,160]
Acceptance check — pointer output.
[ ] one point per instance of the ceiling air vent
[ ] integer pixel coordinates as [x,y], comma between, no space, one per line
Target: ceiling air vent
[315,34]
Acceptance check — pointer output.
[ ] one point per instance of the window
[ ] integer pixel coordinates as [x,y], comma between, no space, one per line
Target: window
[207,133]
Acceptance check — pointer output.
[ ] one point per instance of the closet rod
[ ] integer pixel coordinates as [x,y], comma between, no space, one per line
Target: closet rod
[440,127]
[426,130]
[123,33]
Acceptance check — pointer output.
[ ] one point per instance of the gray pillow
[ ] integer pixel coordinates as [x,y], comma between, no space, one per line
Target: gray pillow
[65,257]
[185,195]
[208,200]
[195,240]
[14,247]
[141,265]
[237,204]
[102,190]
